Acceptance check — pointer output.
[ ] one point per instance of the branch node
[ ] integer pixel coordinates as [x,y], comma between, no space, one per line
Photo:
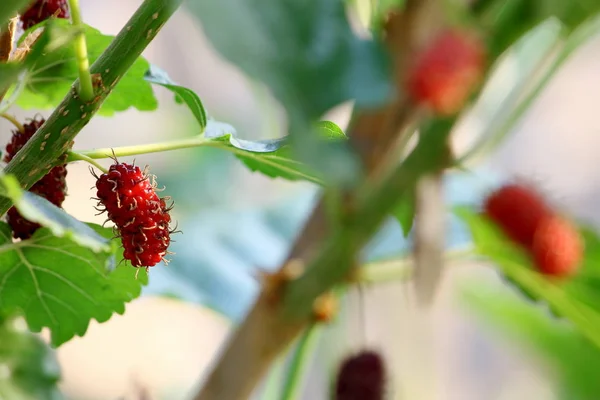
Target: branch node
[325,307]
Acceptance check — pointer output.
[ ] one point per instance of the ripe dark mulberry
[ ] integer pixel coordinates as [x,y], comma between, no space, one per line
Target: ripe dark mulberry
[41,10]
[140,216]
[361,377]
[52,186]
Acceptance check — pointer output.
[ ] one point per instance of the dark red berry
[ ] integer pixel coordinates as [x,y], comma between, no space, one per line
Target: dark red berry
[517,209]
[140,216]
[53,186]
[361,377]
[446,72]
[41,10]
[557,247]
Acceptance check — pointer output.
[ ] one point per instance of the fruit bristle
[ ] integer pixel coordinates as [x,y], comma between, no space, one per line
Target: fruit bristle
[140,216]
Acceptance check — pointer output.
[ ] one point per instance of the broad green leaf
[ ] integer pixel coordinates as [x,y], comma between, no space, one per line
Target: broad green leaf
[30,370]
[9,73]
[37,209]
[576,298]
[273,157]
[573,359]
[58,284]
[308,55]
[52,76]
[50,40]
[182,94]
[305,51]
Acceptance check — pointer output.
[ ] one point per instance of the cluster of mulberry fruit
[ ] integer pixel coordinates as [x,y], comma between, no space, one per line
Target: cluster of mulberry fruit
[141,218]
[41,10]
[125,192]
[52,186]
[525,218]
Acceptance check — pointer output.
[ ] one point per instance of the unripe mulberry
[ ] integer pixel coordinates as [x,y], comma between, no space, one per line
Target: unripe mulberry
[517,210]
[141,218]
[557,247]
[361,377]
[446,72]
[52,186]
[41,10]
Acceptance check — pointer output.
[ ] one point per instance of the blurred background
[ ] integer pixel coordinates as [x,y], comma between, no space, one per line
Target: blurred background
[235,222]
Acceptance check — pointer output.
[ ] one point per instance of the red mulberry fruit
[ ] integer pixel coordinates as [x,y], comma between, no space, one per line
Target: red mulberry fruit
[557,247]
[52,186]
[140,216]
[517,210]
[446,73]
[41,10]
[361,377]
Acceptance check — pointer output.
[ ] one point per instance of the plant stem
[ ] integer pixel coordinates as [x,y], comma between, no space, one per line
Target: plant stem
[299,363]
[196,141]
[86,88]
[74,156]
[14,121]
[73,114]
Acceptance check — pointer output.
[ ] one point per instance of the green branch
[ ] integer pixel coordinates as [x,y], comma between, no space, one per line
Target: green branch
[56,136]
[372,207]
[86,88]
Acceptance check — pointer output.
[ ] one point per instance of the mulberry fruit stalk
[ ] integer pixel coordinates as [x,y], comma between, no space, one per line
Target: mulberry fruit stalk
[141,218]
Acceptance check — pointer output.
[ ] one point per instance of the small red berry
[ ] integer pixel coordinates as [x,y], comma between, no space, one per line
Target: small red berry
[361,377]
[41,10]
[517,210]
[53,186]
[140,216]
[447,71]
[557,247]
